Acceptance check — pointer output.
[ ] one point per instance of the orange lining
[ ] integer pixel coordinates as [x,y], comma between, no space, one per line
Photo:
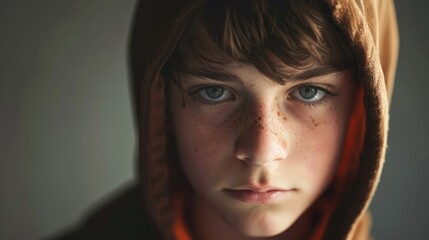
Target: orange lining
[180,229]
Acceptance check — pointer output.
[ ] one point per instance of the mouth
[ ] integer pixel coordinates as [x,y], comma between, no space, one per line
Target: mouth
[259,195]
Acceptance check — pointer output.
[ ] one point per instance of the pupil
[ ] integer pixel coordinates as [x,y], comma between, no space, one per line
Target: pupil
[214,92]
[307,92]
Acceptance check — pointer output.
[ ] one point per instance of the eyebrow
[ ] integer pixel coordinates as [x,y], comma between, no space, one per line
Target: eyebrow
[225,76]
[216,75]
[313,73]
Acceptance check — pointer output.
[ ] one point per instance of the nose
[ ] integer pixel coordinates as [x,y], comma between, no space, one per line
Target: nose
[262,139]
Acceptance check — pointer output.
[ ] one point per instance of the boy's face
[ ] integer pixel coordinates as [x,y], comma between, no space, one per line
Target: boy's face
[256,152]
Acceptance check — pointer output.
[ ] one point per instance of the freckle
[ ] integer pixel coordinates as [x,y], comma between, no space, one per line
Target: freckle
[284,118]
[330,108]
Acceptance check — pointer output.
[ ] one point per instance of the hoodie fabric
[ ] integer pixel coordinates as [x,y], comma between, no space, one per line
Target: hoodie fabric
[150,210]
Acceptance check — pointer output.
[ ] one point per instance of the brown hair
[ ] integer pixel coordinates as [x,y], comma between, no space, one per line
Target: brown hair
[283,39]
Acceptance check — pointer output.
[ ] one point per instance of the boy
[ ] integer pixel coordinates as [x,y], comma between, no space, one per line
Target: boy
[257,119]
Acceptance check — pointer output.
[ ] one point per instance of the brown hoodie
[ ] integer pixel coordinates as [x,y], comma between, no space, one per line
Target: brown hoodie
[146,211]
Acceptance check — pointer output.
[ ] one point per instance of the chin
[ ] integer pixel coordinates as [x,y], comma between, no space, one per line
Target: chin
[264,232]
[262,225]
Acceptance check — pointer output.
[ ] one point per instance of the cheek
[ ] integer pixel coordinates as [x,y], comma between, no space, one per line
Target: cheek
[318,148]
[202,148]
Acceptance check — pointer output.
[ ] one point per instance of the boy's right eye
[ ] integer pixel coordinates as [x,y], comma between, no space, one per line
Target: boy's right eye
[214,94]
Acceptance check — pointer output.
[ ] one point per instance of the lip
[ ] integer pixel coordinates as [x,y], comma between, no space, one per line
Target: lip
[260,196]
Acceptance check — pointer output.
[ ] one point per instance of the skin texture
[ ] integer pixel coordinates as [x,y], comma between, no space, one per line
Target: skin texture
[259,135]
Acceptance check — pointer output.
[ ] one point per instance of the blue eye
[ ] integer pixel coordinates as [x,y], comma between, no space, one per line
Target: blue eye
[308,94]
[214,94]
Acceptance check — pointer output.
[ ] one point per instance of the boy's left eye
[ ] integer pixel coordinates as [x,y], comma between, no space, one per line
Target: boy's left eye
[308,93]
[214,93]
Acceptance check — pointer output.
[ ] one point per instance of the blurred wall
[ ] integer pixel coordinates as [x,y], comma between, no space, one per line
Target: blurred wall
[66,130]
[401,205]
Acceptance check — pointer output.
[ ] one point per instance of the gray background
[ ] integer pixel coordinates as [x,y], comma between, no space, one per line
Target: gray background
[66,132]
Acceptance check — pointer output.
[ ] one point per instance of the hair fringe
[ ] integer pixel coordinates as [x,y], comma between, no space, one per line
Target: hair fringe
[280,38]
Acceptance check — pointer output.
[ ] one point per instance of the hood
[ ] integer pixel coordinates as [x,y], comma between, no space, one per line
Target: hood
[371,28]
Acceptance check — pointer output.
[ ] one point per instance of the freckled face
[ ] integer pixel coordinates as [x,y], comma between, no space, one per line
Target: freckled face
[258,153]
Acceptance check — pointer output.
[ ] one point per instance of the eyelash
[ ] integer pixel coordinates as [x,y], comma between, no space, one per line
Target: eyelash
[200,100]
[311,104]
[194,93]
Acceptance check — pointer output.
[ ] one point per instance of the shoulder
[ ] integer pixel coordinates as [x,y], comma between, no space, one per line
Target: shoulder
[121,217]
